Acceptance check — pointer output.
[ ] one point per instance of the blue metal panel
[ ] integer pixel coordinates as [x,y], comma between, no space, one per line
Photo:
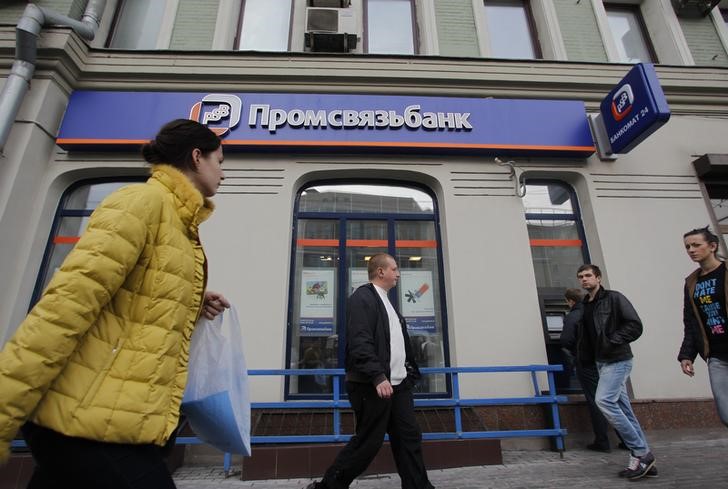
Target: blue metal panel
[634,109]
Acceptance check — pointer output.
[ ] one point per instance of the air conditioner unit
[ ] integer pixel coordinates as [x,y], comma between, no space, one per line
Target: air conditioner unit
[331,29]
[336,20]
[694,8]
[330,3]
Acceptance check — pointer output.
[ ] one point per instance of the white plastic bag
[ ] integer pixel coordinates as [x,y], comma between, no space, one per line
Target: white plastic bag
[217,400]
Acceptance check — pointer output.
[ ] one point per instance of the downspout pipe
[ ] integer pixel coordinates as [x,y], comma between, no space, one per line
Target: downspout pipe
[26,47]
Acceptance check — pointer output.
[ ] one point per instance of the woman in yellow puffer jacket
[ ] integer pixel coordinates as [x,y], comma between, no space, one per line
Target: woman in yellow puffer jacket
[98,368]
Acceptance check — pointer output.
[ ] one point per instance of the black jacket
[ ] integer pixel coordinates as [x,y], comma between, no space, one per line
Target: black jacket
[571,326]
[367,339]
[617,325]
[572,322]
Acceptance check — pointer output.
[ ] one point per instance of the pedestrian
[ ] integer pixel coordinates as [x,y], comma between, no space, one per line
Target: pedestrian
[585,368]
[380,373]
[96,371]
[704,315]
[610,323]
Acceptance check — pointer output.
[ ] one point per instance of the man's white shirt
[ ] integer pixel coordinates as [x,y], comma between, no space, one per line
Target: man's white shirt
[396,341]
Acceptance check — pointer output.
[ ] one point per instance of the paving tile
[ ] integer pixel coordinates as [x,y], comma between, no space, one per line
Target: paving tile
[684,459]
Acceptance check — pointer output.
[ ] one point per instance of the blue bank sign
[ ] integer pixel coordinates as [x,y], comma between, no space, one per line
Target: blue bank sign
[634,109]
[330,122]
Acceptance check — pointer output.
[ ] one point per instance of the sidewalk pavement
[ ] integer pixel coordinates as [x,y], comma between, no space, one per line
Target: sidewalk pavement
[696,459]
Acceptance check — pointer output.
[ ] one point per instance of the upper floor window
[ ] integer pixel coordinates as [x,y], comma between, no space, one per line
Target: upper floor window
[390,27]
[629,33]
[511,29]
[265,25]
[137,24]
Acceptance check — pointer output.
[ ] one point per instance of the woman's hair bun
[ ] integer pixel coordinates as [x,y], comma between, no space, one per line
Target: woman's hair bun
[151,153]
[175,142]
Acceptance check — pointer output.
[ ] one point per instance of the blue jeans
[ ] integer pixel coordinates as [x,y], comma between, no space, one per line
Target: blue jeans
[718,372]
[613,401]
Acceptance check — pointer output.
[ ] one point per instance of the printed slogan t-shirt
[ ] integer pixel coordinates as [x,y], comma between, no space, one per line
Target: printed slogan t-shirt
[709,297]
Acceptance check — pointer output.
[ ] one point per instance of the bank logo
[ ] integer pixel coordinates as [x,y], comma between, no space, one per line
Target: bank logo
[622,102]
[218,111]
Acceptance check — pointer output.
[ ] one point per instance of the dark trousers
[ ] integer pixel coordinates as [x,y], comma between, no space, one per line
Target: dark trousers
[589,379]
[63,461]
[376,417]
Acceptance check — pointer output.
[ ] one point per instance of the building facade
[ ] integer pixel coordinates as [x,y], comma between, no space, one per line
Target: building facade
[487,235]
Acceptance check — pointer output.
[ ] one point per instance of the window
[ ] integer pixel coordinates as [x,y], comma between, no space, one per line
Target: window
[629,33]
[555,233]
[390,27]
[511,29]
[557,249]
[76,206]
[137,24]
[337,229]
[265,25]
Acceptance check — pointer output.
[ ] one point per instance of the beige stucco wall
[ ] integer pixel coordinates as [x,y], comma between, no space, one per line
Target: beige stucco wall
[493,311]
[493,316]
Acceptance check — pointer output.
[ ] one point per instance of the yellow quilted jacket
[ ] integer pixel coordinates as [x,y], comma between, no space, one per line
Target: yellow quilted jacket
[103,354]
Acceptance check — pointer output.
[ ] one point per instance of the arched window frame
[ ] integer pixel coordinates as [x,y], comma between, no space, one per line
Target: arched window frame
[552,304]
[63,212]
[341,271]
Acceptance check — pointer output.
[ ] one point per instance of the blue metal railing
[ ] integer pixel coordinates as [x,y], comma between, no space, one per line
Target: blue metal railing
[455,402]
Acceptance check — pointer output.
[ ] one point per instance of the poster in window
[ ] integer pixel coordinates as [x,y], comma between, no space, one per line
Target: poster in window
[357,278]
[417,301]
[317,301]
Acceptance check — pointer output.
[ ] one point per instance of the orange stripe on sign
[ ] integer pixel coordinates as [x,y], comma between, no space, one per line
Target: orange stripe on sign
[556,242]
[405,144]
[66,239]
[100,141]
[349,144]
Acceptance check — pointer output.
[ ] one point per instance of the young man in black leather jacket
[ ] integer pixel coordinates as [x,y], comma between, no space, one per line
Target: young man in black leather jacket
[610,323]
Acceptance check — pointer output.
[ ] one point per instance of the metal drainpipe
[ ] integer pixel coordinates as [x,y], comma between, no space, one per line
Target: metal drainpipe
[26,43]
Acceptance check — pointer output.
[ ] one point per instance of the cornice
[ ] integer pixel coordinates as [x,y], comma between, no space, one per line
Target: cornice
[67,60]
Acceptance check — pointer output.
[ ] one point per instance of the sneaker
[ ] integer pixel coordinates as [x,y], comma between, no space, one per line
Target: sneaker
[596,447]
[632,466]
[652,473]
[644,464]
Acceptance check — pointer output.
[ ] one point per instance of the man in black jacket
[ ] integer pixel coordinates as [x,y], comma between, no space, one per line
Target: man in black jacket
[610,323]
[380,371]
[586,369]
